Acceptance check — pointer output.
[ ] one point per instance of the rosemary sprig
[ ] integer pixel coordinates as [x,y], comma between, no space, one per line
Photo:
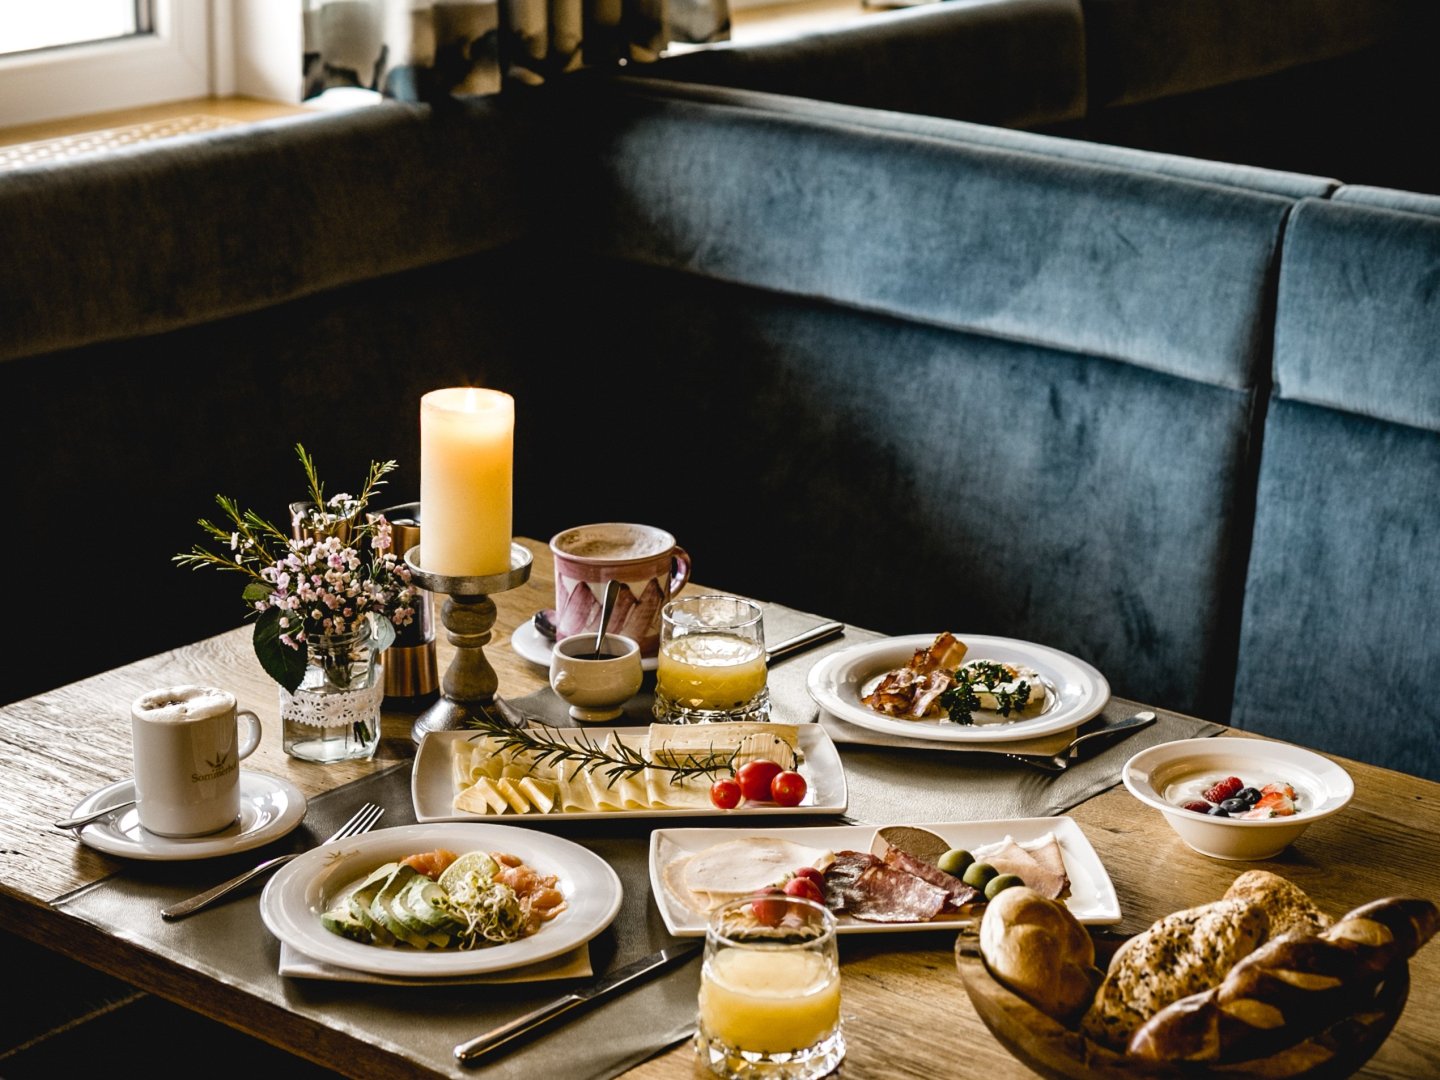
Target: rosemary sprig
[547,745]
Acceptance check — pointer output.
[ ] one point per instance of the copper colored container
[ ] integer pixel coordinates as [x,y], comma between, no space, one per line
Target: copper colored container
[410,669]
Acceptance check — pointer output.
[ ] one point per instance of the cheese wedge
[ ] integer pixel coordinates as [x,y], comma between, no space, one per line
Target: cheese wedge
[512,794]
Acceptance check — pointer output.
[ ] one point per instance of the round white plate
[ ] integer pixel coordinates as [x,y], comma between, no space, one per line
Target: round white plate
[300,891]
[1077,691]
[536,647]
[269,808]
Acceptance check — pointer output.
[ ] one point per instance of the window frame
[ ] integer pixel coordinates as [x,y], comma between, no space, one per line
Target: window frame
[172,63]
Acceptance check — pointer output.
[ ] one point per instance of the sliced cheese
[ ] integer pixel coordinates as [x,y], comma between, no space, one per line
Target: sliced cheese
[672,743]
[541,793]
[512,794]
[482,797]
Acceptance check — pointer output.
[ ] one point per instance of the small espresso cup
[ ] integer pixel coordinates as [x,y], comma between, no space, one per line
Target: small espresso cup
[647,562]
[187,743]
[596,687]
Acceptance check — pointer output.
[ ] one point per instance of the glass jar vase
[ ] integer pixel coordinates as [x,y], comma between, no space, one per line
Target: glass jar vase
[334,714]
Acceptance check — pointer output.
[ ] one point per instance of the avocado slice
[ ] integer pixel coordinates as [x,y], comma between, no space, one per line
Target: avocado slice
[404,907]
[346,925]
[364,895]
[383,910]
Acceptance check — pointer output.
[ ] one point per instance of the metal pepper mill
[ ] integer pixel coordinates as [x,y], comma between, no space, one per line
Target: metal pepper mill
[411,674]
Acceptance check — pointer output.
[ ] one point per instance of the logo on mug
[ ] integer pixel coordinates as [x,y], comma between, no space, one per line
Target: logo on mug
[219,766]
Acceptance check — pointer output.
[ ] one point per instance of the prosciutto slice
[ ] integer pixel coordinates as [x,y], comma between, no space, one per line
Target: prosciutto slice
[1037,868]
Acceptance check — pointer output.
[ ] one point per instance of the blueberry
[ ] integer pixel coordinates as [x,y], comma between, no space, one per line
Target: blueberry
[1235,805]
[1219,811]
[1250,795]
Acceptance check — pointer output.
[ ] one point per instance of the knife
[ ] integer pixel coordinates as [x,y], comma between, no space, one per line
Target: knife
[814,636]
[612,983]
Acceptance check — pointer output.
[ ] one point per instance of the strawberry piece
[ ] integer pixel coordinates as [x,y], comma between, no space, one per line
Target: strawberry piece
[1281,788]
[1274,804]
[1224,789]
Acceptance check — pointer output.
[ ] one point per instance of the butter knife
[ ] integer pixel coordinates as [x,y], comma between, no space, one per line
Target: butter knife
[612,983]
[802,641]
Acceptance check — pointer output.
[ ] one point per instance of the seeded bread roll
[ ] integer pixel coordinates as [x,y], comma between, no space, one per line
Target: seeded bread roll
[1290,988]
[1036,947]
[1287,905]
[1181,954]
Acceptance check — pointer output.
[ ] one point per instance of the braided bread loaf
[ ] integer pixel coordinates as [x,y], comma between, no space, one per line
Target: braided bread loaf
[1290,988]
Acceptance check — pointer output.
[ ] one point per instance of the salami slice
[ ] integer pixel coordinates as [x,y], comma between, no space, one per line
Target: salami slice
[884,894]
[841,875]
[958,894]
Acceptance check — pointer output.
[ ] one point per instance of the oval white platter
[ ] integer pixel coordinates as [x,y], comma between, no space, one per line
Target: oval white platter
[299,892]
[1076,690]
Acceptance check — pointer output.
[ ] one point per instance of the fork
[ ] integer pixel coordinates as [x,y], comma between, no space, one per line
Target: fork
[364,819]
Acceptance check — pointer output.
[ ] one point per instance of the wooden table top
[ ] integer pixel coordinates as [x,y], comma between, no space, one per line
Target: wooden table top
[906,1010]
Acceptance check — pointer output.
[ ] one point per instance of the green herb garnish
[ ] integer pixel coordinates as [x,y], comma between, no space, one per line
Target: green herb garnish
[545,744]
[961,700]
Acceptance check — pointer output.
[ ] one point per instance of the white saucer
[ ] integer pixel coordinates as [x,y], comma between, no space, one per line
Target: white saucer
[536,647]
[269,808]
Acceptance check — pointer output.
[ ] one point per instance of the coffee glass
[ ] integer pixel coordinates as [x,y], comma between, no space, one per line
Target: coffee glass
[770,991]
[647,562]
[187,743]
[711,665]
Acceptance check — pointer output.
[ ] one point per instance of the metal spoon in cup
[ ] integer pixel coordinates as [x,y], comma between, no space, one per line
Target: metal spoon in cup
[607,608]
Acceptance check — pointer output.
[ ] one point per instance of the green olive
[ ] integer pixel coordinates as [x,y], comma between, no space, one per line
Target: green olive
[999,883]
[955,861]
[978,874]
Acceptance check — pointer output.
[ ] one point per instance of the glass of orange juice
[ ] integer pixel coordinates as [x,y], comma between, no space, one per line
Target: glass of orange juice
[770,991]
[711,665]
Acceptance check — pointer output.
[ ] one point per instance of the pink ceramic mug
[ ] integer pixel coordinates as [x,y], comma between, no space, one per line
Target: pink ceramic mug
[646,561]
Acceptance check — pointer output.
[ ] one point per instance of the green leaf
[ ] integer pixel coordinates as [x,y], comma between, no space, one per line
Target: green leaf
[382,632]
[282,663]
[256,590]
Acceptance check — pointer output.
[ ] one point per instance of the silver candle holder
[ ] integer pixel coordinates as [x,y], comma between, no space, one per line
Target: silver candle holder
[468,614]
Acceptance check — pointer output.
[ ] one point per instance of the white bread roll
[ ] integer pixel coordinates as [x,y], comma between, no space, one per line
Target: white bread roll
[1037,948]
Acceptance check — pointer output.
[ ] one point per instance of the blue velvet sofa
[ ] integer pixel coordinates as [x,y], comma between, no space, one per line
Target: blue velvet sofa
[1344,88]
[1176,416]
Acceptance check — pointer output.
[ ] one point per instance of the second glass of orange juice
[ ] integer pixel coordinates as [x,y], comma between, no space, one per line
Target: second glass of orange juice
[770,991]
[711,665]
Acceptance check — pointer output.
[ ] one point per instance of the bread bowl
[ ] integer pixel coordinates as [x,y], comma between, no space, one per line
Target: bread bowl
[1053,1049]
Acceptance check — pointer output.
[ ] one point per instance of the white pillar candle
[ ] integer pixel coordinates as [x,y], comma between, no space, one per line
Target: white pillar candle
[467,451]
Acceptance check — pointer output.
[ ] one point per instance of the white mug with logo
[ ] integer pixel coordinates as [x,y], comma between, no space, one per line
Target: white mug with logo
[187,745]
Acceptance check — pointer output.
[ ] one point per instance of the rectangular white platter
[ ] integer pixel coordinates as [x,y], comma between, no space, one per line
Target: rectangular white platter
[433,791]
[1092,898]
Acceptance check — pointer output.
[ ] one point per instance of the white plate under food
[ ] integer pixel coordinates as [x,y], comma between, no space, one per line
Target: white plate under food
[1092,897]
[269,808]
[1075,691]
[536,647]
[433,787]
[301,890]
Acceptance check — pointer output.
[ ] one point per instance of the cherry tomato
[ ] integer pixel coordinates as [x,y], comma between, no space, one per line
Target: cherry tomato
[810,872]
[787,788]
[755,777]
[769,912]
[804,888]
[725,793]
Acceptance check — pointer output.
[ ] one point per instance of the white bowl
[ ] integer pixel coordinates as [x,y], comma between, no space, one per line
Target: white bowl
[1157,777]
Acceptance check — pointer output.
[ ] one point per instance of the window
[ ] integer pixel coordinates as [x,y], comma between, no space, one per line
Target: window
[93,56]
[26,26]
